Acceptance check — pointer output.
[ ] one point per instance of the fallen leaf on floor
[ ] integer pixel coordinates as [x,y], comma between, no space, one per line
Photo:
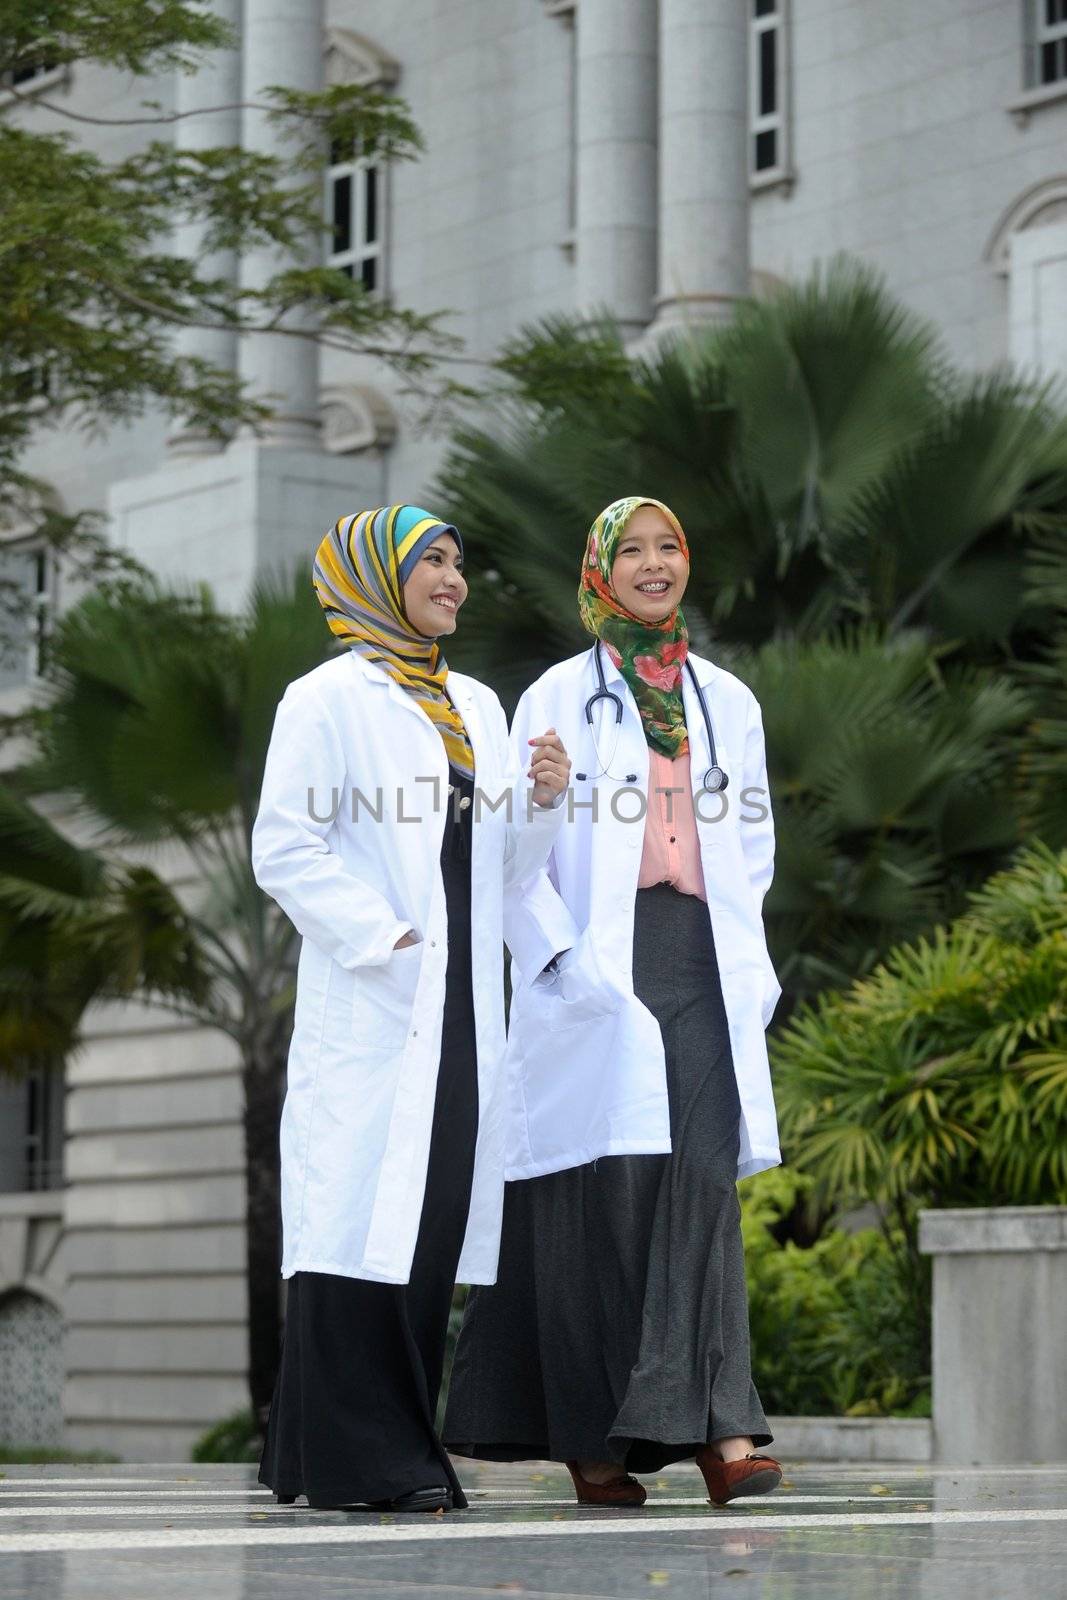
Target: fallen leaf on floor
[878,1488]
[658,1579]
[538,1477]
[737,1572]
[512,1588]
[787,1483]
[663,1483]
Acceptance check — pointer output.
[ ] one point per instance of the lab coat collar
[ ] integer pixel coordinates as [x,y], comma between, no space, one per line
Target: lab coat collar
[458,686]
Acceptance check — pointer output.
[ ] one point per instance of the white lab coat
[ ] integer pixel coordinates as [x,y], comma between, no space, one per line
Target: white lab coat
[358,1113]
[585,1056]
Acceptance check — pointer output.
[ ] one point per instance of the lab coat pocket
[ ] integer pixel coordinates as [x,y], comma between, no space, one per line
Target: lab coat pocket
[383,1000]
[578,994]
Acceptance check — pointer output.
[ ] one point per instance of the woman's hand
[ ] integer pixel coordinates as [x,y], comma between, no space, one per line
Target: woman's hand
[550,767]
[409,938]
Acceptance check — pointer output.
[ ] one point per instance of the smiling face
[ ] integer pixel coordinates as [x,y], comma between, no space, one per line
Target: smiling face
[436,588]
[650,571]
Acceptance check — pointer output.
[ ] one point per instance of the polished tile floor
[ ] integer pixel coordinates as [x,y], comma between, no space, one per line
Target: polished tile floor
[829,1533]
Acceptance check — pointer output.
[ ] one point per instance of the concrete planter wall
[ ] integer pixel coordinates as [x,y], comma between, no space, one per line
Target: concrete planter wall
[999,1341]
[850,1439]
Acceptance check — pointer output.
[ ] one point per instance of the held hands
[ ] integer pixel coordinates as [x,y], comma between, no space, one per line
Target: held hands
[408,939]
[550,767]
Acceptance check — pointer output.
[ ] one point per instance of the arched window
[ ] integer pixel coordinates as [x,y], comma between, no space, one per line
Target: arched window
[1028,247]
[31,1371]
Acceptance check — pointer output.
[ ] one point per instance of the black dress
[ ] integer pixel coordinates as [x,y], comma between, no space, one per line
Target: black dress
[617,1329]
[352,1420]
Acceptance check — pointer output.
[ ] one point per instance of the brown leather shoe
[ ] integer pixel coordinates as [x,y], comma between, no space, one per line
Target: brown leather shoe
[727,1480]
[620,1491]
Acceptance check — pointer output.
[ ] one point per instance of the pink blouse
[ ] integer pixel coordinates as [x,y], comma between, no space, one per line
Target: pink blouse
[672,849]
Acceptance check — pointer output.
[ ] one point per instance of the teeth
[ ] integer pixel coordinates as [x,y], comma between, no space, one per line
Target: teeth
[439,600]
[652,588]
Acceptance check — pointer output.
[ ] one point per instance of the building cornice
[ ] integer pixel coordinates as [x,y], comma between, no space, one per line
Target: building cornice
[350,57]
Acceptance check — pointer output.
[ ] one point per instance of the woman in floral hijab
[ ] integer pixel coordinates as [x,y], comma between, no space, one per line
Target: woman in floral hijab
[616,1336]
[650,654]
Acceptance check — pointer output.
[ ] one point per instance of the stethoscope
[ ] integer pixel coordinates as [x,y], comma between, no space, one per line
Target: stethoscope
[715,779]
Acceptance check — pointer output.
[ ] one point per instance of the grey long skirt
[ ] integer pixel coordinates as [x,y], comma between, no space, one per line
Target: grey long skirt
[617,1329]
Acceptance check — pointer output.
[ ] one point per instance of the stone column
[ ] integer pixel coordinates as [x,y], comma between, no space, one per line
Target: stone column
[1000,1310]
[283,44]
[615,212]
[703,160]
[214,94]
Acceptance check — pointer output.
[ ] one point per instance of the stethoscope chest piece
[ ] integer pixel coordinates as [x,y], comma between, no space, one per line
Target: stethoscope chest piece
[715,780]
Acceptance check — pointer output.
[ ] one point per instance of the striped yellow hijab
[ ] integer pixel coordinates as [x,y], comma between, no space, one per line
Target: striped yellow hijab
[360,570]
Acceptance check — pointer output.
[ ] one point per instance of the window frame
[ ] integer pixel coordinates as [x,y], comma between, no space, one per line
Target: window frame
[36,1097]
[778,121]
[42,600]
[1039,33]
[43,1166]
[47,75]
[360,251]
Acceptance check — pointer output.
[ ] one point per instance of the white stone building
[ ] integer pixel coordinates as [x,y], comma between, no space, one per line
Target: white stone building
[657,157]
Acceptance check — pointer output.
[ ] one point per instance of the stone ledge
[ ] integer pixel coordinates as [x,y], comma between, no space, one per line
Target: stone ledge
[35,1203]
[984,1230]
[852,1438]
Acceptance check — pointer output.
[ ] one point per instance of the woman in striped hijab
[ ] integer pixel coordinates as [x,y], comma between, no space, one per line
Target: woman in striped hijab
[389,581]
[392,1159]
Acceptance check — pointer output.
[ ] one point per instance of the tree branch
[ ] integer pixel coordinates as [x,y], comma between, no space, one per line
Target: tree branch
[347,347]
[166,117]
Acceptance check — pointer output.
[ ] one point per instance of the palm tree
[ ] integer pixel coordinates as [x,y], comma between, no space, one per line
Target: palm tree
[157,728]
[867,527]
[1044,764]
[75,928]
[884,817]
[828,464]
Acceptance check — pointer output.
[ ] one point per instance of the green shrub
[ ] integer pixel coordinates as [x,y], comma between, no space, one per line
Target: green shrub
[840,1327]
[235,1438]
[941,1080]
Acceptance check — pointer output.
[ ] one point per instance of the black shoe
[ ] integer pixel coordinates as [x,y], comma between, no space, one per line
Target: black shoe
[436,1499]
[285,1499]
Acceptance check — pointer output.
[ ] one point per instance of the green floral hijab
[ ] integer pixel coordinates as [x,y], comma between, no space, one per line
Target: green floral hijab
[650,655]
